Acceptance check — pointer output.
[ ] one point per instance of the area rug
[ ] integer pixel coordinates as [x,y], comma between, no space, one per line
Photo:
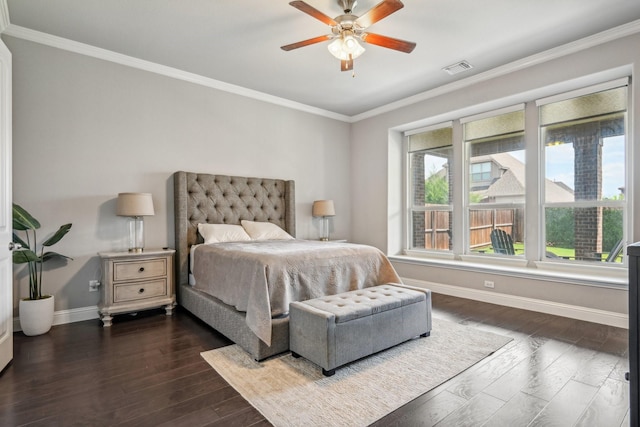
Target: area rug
[293,392]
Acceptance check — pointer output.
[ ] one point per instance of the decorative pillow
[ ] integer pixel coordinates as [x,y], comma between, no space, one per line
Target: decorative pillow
[264,231]
[219,233]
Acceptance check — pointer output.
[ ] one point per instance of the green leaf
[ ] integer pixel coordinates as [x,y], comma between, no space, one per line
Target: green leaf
[50,255]
[22,220]
[59,235]
[24,256]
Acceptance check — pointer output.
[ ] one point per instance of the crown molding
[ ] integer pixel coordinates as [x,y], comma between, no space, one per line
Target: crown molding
[548,55]
[129,61]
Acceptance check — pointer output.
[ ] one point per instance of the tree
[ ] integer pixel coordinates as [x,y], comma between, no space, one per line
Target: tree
[436,190]
[560,227]
[612,225]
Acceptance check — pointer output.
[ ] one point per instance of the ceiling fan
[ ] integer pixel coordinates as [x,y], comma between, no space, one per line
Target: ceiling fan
[348,28]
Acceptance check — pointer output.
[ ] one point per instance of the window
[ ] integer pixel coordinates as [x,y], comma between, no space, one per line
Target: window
[569,193]
[495,200]
[480,172]
[430,158]
[584,170]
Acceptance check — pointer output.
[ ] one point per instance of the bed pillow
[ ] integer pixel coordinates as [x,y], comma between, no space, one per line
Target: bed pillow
[219,233]
[264,231]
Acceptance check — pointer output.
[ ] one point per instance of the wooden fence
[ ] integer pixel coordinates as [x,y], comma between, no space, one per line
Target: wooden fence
[482,222]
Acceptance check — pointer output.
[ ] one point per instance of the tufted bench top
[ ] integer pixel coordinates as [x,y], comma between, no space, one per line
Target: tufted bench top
[352,305]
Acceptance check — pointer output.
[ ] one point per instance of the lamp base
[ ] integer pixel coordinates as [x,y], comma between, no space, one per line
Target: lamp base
[325,229]
[136,234]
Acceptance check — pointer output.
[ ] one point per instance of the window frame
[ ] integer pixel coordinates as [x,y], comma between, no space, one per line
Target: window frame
[468,205]
[411,207]
[534,260]
[623,204]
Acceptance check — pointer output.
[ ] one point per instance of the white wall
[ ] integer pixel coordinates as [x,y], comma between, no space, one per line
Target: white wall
[86,129]
[377,162]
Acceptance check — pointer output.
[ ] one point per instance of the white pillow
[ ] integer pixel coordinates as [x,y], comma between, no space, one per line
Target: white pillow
[219,233]
[264,231]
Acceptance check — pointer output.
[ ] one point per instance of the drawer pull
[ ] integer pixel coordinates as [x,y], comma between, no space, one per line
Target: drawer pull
[141,290]
[141,269]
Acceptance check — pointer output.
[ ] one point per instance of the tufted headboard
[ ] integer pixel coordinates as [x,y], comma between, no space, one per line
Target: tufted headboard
[222,199]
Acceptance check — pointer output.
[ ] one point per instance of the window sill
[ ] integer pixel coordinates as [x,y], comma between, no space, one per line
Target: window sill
[581,274]
[497,260]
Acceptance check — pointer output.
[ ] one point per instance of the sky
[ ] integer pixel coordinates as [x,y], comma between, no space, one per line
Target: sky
[559,165]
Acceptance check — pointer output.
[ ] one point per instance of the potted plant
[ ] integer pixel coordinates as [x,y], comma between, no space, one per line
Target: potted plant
[36,311]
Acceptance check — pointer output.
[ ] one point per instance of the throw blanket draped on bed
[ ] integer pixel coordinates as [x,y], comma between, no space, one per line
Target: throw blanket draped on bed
[261,278]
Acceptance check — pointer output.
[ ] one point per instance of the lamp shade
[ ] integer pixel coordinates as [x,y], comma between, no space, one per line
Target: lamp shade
[323,208]
[135,204]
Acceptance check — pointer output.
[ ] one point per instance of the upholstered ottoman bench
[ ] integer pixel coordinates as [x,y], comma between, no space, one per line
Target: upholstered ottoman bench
[334,330]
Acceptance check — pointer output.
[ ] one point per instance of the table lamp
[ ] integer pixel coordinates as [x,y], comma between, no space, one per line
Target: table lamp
[135,206]
[324,209]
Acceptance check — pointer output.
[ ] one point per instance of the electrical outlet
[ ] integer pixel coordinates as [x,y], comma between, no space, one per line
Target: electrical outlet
[488,284]
[93,285]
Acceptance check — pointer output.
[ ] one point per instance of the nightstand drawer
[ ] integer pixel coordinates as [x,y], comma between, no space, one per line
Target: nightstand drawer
[141,290]
[133,270]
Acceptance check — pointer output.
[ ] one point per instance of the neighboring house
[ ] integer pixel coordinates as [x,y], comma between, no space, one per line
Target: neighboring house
[499,178]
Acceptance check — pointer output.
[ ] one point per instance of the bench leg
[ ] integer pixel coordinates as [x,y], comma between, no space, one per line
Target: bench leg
[328,373]
[324,371]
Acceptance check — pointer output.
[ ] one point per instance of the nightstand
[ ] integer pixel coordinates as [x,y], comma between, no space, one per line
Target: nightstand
[136,281]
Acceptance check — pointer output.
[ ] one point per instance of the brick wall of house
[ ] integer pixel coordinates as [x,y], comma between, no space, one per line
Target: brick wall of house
[417,166]
[588,186]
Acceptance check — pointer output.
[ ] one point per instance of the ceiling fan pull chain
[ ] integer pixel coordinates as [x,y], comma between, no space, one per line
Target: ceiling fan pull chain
[353,67]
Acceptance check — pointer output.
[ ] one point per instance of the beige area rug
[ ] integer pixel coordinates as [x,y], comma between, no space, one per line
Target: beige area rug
[293,392]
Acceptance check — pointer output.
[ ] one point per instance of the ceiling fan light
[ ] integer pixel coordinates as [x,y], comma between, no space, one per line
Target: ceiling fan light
[356,50]
[349,43]
[335,48]
[345,47]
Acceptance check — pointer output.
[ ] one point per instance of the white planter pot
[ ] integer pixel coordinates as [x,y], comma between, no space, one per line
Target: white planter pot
[36,316]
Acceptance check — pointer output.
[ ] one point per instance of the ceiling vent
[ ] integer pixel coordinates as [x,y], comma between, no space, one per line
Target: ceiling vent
[458,67]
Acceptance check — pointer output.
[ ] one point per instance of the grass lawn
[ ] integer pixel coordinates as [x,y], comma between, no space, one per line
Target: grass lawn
[566,253]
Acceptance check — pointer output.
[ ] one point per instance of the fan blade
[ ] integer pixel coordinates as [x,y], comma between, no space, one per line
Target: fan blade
[312,11]
[346,64]
[304,43]
[378,12]
[388,42]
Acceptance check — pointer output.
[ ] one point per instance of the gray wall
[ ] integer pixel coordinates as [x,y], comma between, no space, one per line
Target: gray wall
[377,164]
[86,129]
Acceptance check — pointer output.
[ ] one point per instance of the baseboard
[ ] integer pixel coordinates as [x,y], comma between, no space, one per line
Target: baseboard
[67,316]
[610,318]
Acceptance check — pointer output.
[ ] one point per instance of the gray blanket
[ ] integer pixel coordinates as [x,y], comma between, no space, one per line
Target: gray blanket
[261,278]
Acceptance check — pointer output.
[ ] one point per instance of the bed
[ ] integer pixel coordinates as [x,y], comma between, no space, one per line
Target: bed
[221,199]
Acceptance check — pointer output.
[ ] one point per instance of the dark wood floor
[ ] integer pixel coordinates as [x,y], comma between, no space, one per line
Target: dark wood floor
[146,370]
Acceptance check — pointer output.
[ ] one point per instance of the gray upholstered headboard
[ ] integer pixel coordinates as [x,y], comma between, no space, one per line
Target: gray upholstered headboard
[223,199]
